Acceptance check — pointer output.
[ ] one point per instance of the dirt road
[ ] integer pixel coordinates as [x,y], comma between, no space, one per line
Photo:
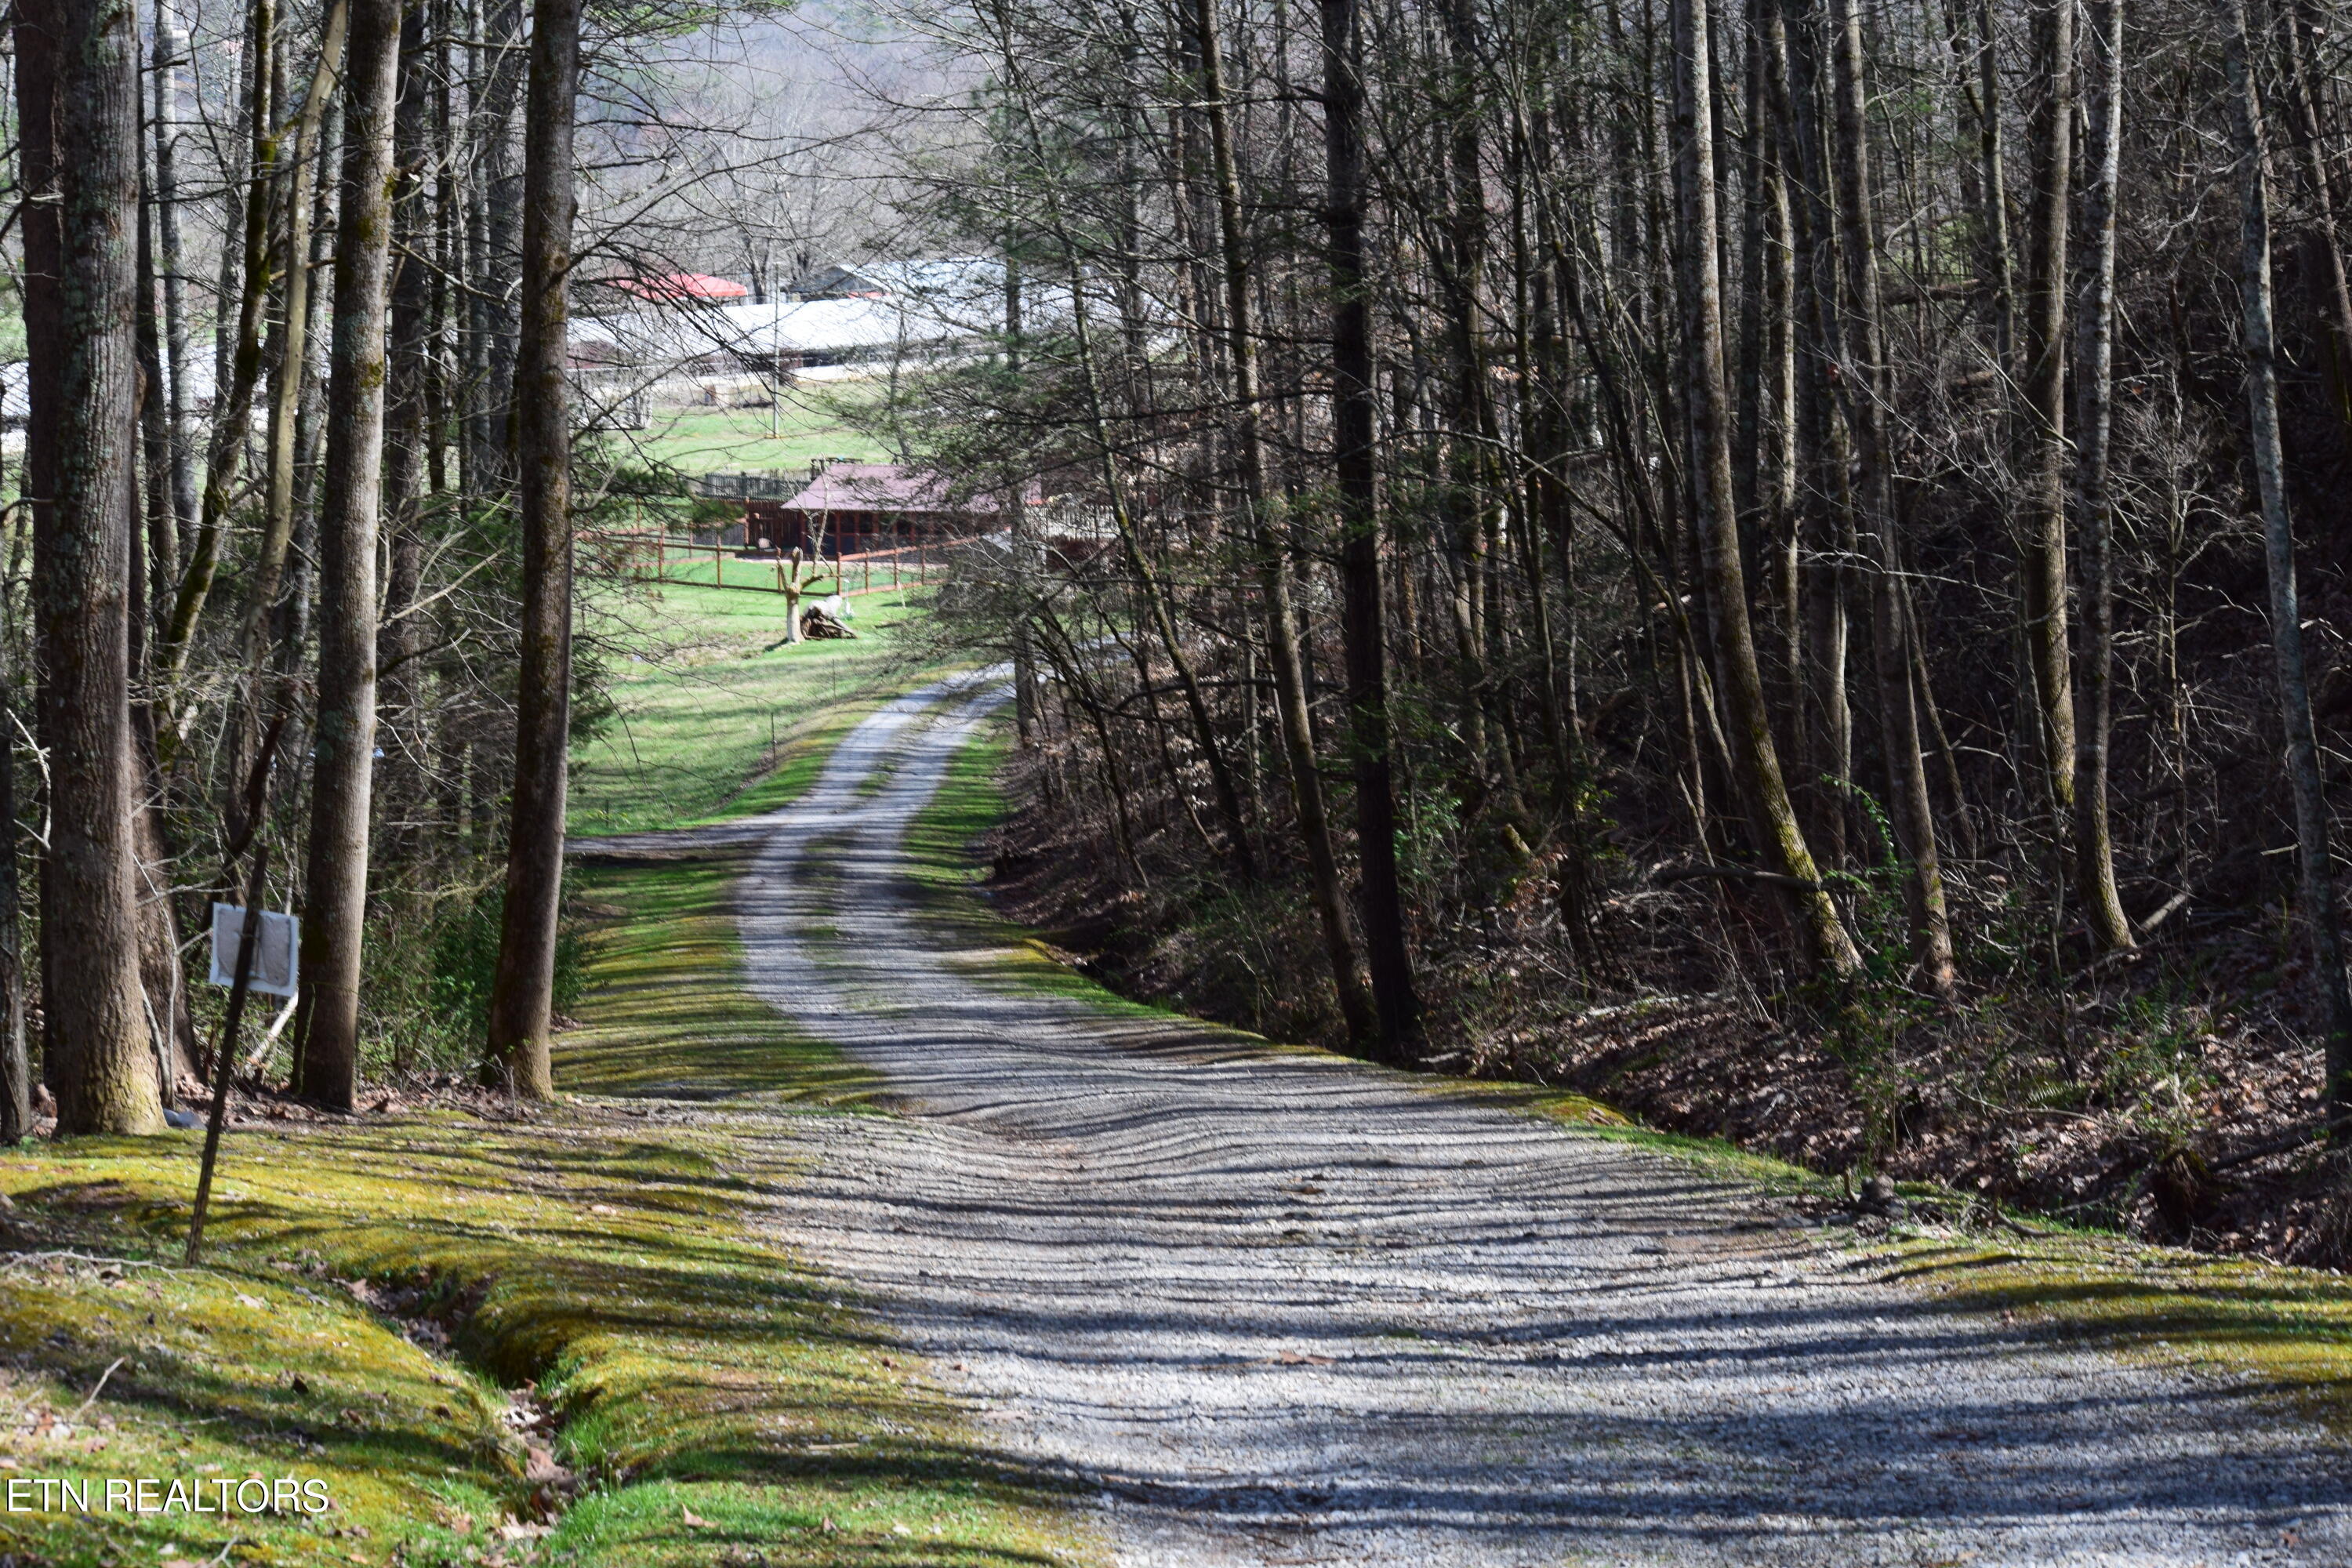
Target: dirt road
[1266,1306]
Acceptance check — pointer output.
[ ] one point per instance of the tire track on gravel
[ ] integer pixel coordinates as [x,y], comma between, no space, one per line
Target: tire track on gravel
[1270,1307]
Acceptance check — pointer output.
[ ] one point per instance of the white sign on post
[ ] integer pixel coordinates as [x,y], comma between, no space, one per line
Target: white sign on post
[276,969]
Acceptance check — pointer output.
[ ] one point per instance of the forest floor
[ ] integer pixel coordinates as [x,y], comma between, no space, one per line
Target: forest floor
[869,1234]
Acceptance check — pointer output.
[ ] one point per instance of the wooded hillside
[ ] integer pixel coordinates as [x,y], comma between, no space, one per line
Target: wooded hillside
[1792,512]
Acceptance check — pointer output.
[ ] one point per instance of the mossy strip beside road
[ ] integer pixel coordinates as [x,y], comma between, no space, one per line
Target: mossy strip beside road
[380,1289]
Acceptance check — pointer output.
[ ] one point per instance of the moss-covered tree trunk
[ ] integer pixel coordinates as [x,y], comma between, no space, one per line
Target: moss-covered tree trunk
[522,991]
[343,738]
[77,85]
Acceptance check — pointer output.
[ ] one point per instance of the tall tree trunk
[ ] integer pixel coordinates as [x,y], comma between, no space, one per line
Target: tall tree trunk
[1755,761]
[15,1061]
[522,990]
[2303,86]
[343,737]
[2042,440]
[289,373]
[153,566]
[232,394]
[1868,395]
[2094,846]
[2315,852]
[1978,70]
[405,436]
[1824,521]
[1396,1000]
[155,541]
[1329,891]
[492,427]
[170,259]
[77,87]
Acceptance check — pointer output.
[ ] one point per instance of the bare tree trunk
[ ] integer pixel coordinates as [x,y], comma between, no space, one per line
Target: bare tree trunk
[494,302]
[1329,891]
[170,259]
[1756,762]
[153,567]
[77,86]
[1898,707]
[233,396]
[2042,415]
[1823,520]
[406,434]
[343,738]
[1396,1000]
[1978,74]
[155,542]
[2315,852]
[290,351]
[522,991]
[2094,847]
[2303,87]
[16,1062]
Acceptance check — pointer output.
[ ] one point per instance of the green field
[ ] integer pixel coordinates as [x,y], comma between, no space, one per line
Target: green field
[808,424]
[716,714]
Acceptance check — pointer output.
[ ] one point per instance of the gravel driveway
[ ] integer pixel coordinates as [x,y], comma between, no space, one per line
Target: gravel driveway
[1270,1307]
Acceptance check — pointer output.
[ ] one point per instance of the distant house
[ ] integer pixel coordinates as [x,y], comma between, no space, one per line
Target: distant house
[772,342]
[849,507]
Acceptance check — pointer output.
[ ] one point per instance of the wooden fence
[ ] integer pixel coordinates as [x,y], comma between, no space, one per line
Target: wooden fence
[652,557]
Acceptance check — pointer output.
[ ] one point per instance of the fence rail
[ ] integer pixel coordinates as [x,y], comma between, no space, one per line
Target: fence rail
[659,558]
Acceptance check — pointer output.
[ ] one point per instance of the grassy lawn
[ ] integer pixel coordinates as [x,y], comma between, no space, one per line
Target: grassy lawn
[377,1290]
[717,718]
[808,424]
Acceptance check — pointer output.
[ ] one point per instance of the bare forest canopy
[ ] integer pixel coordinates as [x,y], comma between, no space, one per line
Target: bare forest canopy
[1816,525]
[1826,517]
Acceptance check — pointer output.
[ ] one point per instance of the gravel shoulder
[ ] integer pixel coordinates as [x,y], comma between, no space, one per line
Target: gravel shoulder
[1271,1307]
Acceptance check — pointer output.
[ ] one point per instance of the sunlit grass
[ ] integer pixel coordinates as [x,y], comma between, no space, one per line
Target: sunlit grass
[806,423]
[715,711]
